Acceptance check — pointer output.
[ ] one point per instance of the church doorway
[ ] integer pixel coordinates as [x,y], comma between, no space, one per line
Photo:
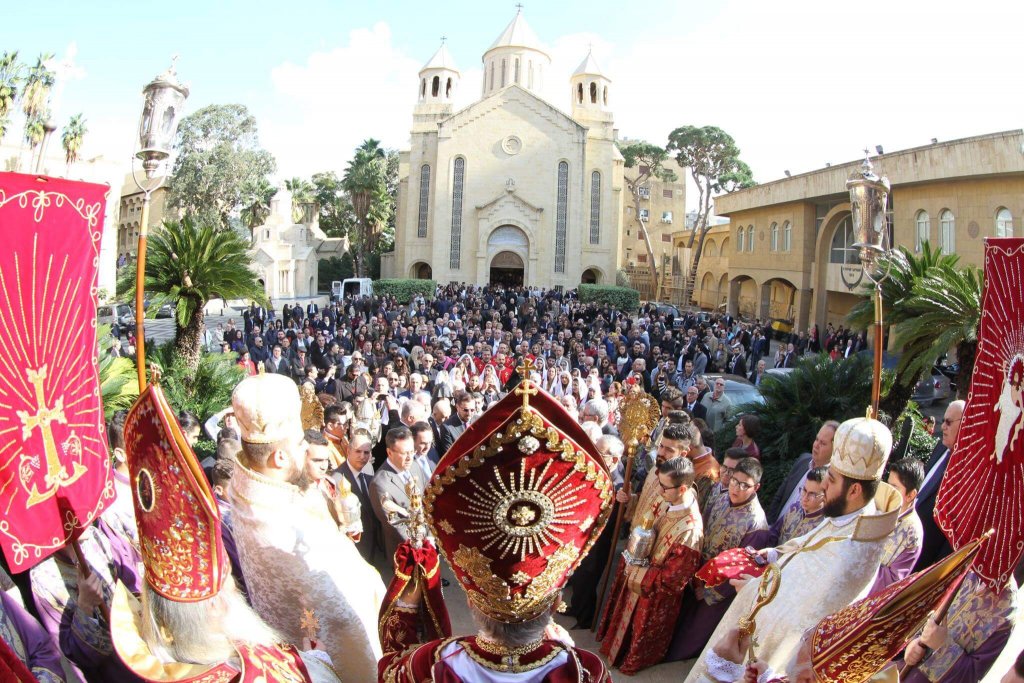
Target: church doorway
[590,277]
[507,269]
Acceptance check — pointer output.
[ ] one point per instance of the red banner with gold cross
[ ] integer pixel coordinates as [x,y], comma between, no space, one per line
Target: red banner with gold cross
[54,469]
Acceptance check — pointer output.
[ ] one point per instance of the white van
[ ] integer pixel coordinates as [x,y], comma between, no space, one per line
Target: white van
[119,316]
[357,286]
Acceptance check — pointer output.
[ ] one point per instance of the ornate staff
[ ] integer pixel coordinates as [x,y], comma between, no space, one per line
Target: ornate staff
[638,415]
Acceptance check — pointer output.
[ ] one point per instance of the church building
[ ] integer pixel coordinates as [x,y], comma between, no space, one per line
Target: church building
[510,189]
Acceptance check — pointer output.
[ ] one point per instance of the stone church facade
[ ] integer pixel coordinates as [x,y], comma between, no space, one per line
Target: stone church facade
[510,189]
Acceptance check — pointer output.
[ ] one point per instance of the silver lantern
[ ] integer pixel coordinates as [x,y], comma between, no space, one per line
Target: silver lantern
[868,196]
[640,544]
[164,101]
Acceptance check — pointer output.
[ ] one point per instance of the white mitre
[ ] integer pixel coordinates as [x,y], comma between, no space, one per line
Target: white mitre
[268,409]
[861,449]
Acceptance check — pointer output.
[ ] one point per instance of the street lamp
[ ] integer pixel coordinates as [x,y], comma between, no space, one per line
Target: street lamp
[164,100]
[869,194]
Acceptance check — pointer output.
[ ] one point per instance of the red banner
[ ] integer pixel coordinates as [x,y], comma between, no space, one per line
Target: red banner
[54,468]
[983,487]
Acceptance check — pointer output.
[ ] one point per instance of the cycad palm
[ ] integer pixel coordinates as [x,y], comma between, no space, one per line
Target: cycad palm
[944,312]
[74,132]
[188,265]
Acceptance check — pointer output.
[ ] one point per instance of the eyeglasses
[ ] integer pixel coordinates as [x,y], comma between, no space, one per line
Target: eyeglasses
[813,496]
[667,488]
[726,470]
[946,421]
[742,486]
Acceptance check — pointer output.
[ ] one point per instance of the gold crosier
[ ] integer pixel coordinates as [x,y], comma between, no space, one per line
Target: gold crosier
[56,476]
[767,589]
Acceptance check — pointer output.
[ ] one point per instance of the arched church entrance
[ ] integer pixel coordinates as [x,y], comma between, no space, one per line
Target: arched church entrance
[590,276]
[507,269]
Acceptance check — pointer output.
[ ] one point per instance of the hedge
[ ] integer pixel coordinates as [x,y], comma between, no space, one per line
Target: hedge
[405,290]
[623,298]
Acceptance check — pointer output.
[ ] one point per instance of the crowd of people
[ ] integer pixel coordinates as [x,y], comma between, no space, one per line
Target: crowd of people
[311,516]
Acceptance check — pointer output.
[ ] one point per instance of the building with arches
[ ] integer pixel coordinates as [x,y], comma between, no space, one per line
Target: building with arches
[510,189]
[787,252]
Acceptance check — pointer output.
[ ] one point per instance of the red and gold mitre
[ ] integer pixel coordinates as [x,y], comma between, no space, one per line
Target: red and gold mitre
[179,525]
[517,502]
[855,643]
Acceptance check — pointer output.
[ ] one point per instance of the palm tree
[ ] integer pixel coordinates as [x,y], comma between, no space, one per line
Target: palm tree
[10,81]
[365,181]
[256,198]
[944,312]
[188,265]
[74,131]
[34,99]
[302,192]
[35,129]
[904,270]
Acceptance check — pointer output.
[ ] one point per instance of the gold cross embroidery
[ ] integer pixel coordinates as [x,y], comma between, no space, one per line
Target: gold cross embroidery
[56,476]
[526,389]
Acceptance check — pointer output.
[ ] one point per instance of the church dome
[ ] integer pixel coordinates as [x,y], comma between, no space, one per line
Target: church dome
[442,59]
[517,56]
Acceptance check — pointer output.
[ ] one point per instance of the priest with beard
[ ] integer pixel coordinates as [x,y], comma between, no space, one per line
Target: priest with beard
[834,564]
[292,552]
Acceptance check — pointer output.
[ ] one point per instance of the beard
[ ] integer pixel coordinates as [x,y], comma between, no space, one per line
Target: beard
[301,478]
[834,508]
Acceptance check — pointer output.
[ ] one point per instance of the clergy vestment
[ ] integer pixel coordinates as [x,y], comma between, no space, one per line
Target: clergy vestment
[822,571]
[902,549]
[636,628]
[648,502]
[725,527]
[795,522]
[979,622]
[29,642]
[294,557]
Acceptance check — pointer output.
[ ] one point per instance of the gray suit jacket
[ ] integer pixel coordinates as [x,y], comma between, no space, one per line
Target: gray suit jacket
[793,479]
[388,483]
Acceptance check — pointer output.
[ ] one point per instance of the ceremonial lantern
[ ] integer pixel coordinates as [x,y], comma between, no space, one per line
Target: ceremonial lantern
[517,502]
[868,196]
[641,542]
[164,101]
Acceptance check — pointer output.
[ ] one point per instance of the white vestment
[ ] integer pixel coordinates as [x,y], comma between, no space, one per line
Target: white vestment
[294,557]
[823,571]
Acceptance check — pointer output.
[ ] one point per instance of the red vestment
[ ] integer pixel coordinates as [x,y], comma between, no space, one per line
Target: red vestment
[638,623]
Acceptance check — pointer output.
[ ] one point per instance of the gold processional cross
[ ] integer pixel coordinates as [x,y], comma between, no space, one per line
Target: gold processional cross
[526,388]
[56,476]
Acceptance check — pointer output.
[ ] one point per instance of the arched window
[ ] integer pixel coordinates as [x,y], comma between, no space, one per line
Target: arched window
[787,236]
[423,88]
[491,87]
[775,237]
[593,93]
[517,70]
[435,86]
[529,75]
[579,93]
[458,180]
[842,250]
[947,232]
[504,75]
[1004,223]
[595,208]
[750,238]
[739,239]
[561,215]
[448,90]
[421,226]
[923,230]
[606,95]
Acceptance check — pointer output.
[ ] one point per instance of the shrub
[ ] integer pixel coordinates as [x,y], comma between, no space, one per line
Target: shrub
[209,390]
[623,298]
[405,290]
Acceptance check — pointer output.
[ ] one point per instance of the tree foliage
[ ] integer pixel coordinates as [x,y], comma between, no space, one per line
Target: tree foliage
[622,298]
[11,79]
[337,216]
[119,386]
[648,161]
[713,159]
[257,195]
[72,137]
[366,182]
[218,158]
[405,290]
[204,389]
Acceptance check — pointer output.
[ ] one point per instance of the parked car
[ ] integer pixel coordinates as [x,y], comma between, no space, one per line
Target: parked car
[943,386]
[166,311]
[671,311]
[924,390]
[739,389]
[950,370]
[119,316]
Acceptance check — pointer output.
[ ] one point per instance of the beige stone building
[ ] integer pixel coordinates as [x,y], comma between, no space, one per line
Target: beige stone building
[663,207]
[130,216]
[787,251]
[510,189]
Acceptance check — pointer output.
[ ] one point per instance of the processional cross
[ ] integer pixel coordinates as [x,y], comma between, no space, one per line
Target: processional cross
[526,388]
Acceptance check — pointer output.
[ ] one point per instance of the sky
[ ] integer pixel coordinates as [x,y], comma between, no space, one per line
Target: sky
[798,83]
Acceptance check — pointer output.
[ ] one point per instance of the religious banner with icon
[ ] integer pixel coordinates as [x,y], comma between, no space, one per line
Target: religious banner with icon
[55,475]
[983,487]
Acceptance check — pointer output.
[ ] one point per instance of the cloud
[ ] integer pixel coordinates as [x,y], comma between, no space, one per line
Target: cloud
[322,109]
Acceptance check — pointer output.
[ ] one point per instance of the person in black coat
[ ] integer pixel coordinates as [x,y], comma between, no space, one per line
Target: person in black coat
[369,544]
[934,544]
[455,425]
[820,456]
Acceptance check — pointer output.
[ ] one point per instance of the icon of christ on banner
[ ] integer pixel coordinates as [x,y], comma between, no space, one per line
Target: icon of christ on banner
[54,473]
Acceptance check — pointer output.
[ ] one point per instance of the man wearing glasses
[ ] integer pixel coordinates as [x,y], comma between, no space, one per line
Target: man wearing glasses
[934,545]
[731,516]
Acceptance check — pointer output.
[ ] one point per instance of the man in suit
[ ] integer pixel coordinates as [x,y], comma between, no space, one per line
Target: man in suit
[738,364]
[423,441]
[441,411]
[389,486]
[693,406]
[820,456]
[278,363]
[456,424]
[312,309]
[788,358]
[757,375]
[369,544]
[934,545]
